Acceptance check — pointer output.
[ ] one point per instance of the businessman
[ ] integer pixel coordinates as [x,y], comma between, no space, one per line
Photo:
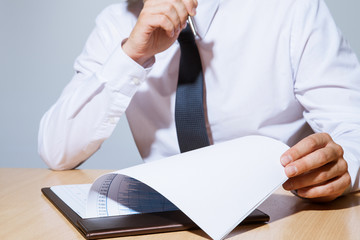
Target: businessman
[276,68]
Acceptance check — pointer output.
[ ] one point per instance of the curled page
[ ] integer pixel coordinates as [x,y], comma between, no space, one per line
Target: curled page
[118,194]
[216,187]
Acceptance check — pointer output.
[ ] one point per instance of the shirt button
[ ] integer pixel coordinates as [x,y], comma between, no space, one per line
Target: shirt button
[135,80]
[112,120]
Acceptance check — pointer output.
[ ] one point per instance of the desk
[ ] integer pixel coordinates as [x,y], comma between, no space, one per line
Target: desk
[26,214]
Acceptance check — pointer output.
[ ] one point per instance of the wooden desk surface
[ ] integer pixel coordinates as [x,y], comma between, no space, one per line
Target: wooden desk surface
[26,214]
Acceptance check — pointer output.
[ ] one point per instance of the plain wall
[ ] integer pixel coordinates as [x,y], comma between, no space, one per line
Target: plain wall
[39,42]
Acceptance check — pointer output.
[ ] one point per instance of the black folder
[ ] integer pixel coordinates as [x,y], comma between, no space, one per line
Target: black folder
[136,224]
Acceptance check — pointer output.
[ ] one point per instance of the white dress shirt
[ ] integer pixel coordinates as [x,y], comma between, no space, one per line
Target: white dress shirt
[278,68]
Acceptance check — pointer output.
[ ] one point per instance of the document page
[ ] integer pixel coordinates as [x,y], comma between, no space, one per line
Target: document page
[227,181]
[122,195]
[125,196]
[75,196]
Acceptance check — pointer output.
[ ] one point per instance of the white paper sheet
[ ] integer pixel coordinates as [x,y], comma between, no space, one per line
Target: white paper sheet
[216,186]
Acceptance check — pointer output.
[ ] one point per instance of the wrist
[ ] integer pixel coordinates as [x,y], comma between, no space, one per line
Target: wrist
[141,59]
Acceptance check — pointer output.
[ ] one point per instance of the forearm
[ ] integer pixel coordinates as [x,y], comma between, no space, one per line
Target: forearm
[88,111]
[327,86]
[68,134]
[107,78]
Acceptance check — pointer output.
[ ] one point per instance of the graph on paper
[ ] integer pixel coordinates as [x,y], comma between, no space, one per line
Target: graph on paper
[116,195]
[122,195]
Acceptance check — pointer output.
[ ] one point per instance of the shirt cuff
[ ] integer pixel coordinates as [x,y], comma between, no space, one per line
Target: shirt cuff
[353,165]
[353,169]
[122,73]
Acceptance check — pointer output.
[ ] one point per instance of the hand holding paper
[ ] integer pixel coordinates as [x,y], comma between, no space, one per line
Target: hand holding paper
[316,168]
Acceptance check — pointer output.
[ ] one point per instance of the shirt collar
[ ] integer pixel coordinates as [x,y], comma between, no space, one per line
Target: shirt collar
[205,13]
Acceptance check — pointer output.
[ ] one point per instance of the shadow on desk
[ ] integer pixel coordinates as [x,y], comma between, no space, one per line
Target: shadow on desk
[288,212]
[292,205]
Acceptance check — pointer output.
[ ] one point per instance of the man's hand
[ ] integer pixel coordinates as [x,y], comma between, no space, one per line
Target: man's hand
[316,168]
[157,28]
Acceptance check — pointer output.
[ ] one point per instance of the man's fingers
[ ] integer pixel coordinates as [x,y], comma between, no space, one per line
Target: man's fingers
[318,176]
[304,147]
[160,21]
[310,153]
[162,16]
[331,189]
[176,11]
[157,27]
[312,161]
[191,6]
[316,168]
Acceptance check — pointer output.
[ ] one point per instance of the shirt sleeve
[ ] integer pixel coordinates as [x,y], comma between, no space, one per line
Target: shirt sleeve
[327,80]
[92,103]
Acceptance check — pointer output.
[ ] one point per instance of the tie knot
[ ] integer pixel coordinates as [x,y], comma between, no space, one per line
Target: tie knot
[186,35]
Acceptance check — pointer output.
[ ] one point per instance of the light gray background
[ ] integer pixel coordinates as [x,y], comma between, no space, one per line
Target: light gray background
[39,41]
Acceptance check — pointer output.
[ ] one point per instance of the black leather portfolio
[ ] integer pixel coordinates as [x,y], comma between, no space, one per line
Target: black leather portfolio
[125,225]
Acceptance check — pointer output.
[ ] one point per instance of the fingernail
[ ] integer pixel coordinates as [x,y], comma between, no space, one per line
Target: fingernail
[290,171]
[285,160]
[288,186]
[177,31]
[301,193]
[184,25]
[295,192]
